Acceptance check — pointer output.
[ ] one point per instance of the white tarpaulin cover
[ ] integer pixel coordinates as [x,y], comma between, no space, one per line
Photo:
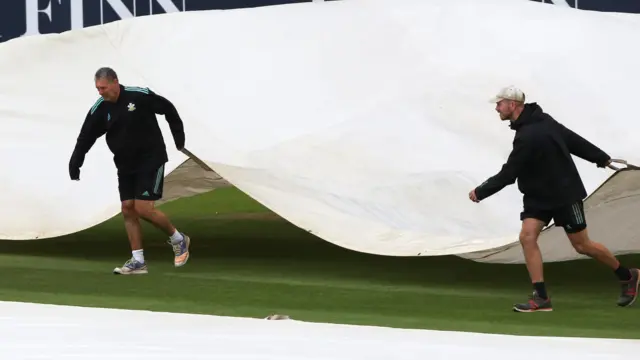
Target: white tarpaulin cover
[95,333]
[366,122]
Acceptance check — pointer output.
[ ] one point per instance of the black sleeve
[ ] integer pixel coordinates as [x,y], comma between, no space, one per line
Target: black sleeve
[91,130]
[582,148]
[160,105]
[522,150]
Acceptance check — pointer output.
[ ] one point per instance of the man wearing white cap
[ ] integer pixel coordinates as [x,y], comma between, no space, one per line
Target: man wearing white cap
[552,189]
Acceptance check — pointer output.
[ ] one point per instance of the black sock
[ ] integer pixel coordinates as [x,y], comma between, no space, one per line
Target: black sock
[623,273]
[540,289]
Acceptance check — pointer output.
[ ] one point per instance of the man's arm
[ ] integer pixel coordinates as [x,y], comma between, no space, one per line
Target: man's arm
[160,105]
[522,149]
[582,148]
[89,133]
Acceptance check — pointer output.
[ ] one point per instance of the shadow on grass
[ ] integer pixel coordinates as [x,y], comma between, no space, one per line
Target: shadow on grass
[277,244]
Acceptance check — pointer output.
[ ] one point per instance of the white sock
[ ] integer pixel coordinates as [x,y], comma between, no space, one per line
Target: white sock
[138,255]
[176,237]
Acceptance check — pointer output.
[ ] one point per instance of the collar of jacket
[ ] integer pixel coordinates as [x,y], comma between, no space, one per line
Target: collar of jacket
[530,114]
[121,96]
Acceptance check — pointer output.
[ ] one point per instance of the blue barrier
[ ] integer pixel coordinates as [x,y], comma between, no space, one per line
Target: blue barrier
[626,6]
[33,17]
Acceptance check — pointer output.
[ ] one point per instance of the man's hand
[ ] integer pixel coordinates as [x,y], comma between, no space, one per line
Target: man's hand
[179,141]
[74,173]
[473,197]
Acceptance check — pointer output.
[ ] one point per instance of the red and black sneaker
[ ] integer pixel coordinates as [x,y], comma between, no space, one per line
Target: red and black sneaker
[535,303]
[629,291]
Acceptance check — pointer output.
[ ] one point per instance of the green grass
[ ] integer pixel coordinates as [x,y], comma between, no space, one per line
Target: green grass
[245,263]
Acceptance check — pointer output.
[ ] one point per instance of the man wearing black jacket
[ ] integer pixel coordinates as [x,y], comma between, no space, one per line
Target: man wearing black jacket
[552,189]
[127,115]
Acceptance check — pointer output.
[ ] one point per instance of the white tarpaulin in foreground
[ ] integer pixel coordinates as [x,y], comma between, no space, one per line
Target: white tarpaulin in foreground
[96,335]
[366,122]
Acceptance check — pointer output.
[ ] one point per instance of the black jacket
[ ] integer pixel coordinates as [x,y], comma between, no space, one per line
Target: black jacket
[132,131]
[541,162]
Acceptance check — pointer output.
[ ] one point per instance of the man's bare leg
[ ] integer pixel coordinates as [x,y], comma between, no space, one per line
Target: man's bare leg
[179,241]
[629,278]
[146,209]
[529,234]
[583,245]
[529,240]
[134,233]
[132,225]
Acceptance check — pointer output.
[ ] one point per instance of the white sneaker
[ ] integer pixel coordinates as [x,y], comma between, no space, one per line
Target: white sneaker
[181,251]
[132,267]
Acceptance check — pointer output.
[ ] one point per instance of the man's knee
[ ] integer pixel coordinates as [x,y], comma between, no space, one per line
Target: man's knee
[580,241]
[528,237]
[144,208]
[530,231]
[128,208]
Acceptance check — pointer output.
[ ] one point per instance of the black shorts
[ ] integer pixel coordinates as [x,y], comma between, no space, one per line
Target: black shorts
[570,217]
[143,185]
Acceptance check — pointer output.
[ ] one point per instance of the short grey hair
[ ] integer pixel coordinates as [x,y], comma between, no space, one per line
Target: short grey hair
[106,73]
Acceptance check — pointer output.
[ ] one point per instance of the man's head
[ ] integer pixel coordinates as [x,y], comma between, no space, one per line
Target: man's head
[509,103]
[107,84]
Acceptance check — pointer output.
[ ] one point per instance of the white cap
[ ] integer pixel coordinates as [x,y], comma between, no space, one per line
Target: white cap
[509,93]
